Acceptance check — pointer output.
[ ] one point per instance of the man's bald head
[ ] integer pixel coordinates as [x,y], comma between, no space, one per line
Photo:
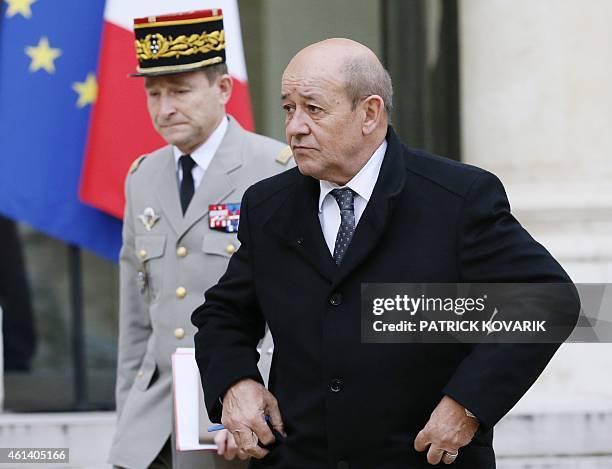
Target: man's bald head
[356,65]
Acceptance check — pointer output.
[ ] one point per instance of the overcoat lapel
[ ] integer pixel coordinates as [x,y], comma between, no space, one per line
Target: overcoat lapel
[296,224]
[313,246]
[377,215]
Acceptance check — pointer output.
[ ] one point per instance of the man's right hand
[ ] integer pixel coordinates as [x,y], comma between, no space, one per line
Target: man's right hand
[245,406]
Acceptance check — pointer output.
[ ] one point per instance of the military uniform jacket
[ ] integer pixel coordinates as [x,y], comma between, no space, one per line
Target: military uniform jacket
[164,270]
[347,404]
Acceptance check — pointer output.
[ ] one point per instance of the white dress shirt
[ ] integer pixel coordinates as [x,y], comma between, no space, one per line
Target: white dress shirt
[202,155]
[362,184]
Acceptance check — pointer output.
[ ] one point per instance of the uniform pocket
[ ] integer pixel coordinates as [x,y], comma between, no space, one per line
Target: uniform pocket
[220,243]
[150,251]
[150,246]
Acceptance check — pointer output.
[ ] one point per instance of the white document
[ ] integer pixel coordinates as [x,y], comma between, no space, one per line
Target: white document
[186,390]
[190,416]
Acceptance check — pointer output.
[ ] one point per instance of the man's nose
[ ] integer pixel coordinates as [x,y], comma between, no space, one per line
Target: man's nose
[166,106]
[297,124]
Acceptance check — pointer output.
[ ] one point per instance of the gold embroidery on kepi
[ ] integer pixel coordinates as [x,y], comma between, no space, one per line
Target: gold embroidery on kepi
[179,42]
[157,46]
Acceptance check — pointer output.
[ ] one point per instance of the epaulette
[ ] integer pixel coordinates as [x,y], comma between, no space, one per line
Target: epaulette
[284,155]
[136,163]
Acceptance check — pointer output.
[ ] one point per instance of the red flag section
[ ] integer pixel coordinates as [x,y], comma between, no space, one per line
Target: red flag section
[120,129]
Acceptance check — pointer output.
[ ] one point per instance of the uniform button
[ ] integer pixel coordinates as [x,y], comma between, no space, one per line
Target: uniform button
[336,385]
[342,465]
[179,333]
[181,293]
[230,249]
[336,299]
[140,373]
[181,251]
[142,253]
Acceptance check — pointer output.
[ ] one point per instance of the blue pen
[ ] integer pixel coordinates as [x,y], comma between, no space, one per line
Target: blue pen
[220,426]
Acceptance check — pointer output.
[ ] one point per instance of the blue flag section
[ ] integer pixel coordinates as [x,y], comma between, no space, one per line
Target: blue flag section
[48,59]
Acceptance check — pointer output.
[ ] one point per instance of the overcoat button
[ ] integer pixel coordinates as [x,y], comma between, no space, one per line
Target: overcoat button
[336,299]
[181,293]
[179,333]
[181,251]
[336,385]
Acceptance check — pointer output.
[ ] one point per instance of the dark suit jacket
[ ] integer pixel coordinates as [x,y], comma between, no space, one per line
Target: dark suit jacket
[345,403]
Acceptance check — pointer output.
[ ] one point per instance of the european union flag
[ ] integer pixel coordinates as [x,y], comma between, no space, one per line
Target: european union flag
[48,59]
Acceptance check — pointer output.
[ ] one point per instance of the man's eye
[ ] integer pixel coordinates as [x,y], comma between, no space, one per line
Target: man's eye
[314,109]
[288,108]
[153,94]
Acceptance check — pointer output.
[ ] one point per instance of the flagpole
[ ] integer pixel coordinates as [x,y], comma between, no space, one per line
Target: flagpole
[79,365]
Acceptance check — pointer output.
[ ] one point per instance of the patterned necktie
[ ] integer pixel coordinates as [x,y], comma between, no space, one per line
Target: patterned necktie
[345,198]
[187,187]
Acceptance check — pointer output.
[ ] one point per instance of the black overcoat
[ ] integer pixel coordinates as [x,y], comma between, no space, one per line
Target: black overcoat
[346,404]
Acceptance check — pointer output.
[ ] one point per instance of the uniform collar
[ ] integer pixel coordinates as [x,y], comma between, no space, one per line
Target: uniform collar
[204,154]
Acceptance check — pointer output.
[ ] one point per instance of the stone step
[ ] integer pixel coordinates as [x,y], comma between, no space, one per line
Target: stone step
[558,434]
[522,441]
[582,462]
[88,435]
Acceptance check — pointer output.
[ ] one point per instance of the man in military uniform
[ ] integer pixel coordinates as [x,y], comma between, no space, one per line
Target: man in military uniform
[180,223]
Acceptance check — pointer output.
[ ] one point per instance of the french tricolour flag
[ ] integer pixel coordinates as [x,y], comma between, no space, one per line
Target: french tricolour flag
[120,129]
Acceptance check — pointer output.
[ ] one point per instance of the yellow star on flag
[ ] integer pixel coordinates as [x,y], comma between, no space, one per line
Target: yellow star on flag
[87,90]
[23,7]
[42,56]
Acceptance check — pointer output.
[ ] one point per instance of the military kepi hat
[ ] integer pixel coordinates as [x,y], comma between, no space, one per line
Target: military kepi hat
[179,42]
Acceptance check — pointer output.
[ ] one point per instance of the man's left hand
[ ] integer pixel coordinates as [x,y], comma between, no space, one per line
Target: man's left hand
[449,428]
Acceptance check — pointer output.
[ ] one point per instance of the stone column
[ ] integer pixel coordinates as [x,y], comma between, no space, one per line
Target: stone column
[536,100]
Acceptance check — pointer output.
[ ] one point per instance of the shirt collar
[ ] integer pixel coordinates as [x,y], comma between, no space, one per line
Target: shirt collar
[363,182]
[205,152]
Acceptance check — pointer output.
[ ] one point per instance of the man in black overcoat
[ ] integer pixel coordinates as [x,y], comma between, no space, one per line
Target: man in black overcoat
[362,207]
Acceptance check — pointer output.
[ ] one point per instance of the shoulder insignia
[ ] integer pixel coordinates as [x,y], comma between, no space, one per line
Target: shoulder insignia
[136,163]
[284,155]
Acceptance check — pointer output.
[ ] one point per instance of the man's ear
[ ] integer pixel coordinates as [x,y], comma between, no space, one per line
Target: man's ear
[225,84]
[373,108]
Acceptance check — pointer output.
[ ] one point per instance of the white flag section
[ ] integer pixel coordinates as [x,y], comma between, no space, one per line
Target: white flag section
[123,12]
[188,402]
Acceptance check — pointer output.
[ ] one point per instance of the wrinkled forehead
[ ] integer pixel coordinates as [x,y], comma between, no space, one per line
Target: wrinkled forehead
[301,78]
